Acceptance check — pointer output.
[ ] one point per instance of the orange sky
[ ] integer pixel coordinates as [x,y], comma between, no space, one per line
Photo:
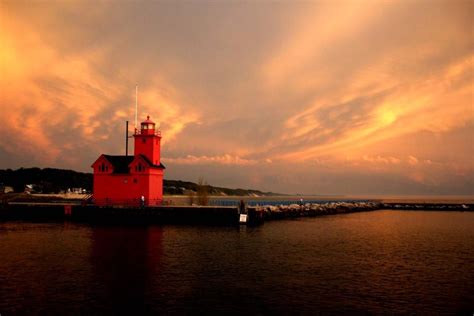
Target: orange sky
[323,97]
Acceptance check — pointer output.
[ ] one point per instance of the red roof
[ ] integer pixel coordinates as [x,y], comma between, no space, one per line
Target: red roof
[121,163]
[148,121]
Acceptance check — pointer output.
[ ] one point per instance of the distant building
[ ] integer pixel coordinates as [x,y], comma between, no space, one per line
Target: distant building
[29,188]
[123,180]
[6,189]
[77,190]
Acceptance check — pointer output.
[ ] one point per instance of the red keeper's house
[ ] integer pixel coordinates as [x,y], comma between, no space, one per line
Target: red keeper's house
[123,180]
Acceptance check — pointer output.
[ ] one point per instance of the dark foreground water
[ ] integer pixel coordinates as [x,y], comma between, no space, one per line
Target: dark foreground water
[378,262]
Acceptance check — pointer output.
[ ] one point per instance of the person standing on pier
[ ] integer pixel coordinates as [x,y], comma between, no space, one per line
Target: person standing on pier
[142,201]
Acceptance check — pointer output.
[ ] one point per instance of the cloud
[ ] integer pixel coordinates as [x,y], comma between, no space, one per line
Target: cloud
[412,160]
[225,159]
[56,99]
[380,84]
[384,160]
[433,105]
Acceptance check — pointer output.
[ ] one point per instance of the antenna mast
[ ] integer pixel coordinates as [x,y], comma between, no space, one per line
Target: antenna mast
[136,105]
[126,138]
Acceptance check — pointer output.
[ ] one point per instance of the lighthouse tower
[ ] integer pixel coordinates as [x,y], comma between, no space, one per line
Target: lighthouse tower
[147,141]
[124,180]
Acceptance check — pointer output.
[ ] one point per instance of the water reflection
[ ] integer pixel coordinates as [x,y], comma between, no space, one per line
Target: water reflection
[376,262]
[123,261]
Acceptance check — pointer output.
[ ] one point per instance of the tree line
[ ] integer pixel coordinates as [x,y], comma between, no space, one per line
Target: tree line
[51,180]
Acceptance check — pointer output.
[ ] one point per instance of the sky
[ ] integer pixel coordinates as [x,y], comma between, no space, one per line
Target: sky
[310,97]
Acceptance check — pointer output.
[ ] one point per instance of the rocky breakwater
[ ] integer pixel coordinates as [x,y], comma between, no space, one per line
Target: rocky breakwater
[429,206]
[309,209]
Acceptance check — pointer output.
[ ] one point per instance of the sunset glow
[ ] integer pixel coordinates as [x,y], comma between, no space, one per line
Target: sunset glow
[351,97]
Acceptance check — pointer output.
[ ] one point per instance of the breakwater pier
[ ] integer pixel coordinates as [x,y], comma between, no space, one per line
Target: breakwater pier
[271,212]
[209,215]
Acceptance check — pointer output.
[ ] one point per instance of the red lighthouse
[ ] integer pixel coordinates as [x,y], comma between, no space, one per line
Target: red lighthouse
[126,180]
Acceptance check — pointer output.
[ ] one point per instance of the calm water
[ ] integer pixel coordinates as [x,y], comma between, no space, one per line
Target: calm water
[378,262]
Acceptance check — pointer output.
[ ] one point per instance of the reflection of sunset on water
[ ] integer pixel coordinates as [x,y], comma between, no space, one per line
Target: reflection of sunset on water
[124,261]
[380,262]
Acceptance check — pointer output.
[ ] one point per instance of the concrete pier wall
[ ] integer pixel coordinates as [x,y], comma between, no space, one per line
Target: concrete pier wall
[106,214]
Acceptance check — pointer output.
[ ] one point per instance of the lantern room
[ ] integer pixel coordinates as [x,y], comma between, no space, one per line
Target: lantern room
[147,127]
